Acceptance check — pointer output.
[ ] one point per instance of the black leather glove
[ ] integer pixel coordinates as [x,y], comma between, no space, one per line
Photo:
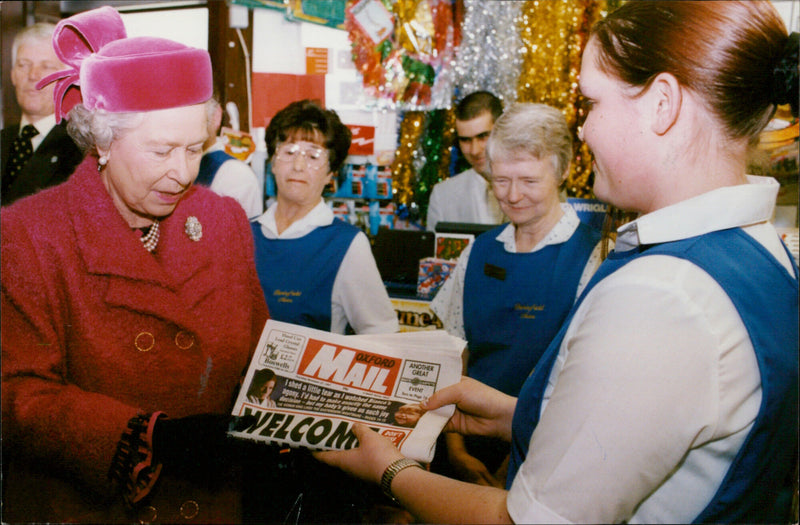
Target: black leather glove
[196,444]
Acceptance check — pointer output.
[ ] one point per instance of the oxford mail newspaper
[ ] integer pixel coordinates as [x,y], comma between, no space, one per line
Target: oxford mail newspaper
[308,387]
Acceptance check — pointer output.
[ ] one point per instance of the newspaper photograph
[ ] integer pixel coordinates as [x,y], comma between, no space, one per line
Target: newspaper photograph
[308,387]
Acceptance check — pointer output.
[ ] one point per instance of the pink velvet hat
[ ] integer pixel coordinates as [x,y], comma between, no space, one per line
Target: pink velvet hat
[118,74]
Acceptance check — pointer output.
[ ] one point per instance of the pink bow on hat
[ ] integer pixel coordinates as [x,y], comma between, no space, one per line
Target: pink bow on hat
[119,74]
[74,39]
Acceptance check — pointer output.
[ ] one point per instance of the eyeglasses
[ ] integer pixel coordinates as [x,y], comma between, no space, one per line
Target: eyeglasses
[316,157]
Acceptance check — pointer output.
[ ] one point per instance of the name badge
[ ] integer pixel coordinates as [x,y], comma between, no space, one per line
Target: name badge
[495,272]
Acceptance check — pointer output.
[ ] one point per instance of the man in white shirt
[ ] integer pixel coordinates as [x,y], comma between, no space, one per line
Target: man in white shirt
[36,152]
[468,197]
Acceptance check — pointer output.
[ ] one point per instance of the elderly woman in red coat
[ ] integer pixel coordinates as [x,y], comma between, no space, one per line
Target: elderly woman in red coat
[130,302]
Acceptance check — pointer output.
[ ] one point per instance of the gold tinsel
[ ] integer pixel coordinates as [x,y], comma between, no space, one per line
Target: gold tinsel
[414,26]
[554,33]
[448,140]
[403,172]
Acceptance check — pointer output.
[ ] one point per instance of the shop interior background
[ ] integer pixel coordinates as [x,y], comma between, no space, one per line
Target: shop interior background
[254,48]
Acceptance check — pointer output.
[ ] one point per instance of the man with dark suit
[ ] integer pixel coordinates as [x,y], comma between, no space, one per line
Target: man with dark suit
[37,152]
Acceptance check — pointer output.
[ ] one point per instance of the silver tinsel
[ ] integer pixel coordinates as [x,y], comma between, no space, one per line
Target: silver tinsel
[490,54]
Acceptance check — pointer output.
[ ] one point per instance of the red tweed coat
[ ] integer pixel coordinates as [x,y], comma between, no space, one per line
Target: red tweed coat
[95,330]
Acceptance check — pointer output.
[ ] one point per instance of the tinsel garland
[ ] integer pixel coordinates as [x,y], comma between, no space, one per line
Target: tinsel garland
[489,56]
[435,148]
[554,34]
[540,62]
[403,167]
[448,142]
[423,156]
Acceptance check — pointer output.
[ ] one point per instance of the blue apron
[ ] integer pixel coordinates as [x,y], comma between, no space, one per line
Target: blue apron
[209,165]
[514,304]
[767,301]
[297,275]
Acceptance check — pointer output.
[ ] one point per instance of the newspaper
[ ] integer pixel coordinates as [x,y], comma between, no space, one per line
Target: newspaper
[308,387]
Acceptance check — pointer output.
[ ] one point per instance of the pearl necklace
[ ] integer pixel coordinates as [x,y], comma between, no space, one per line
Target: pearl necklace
[150,239]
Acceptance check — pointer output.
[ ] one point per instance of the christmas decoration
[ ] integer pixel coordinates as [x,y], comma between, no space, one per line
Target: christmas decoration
[435,149]
[489,55]
[404,50]
[554,34]
[403,168]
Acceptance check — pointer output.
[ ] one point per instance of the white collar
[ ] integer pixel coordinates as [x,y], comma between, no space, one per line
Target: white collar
[43,125]
[320,215]
[719,209]
[561,232]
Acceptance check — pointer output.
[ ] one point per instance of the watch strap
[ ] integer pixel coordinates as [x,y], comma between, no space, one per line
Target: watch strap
[391,471]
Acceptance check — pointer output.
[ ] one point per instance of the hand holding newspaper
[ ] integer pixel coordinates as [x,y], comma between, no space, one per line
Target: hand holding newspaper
[308,387]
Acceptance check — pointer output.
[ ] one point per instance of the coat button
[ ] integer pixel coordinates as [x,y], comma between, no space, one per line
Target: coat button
[144,341]
[147,514]
[189,509]
[184,340]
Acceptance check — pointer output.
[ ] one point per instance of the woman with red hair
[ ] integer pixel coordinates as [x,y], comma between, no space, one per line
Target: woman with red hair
[670,393]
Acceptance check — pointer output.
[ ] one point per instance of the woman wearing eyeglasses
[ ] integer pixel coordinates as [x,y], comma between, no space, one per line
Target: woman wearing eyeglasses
[315,271]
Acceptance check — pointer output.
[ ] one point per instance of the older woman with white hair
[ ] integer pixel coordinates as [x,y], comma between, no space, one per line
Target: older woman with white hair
[514,286]
[130,300]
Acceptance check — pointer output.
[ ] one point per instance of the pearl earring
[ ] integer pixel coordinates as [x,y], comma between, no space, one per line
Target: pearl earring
[101,163]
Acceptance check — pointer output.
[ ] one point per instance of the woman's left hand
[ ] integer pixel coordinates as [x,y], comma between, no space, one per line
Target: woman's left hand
[368,460]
